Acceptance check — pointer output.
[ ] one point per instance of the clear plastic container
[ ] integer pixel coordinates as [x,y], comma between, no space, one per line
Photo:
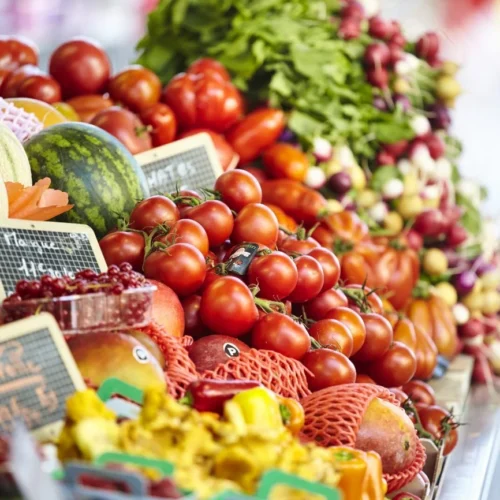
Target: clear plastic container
[89,313]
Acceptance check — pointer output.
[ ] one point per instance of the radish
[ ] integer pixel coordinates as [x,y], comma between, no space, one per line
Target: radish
[398,39]
[405,166]
[415,240]
[435,145]
[460,313]
[378,77]
[440,116]
[456,236]
[427,46]
[397,54]
[396,149]
[379,28]
[421,158]
[491,302]
[340,183]
[443,168]
[385,158]
[471,328]
[464,282]
[430,223]
[435,262]
[420,125]
[447,88]
[379,103]
[353,10]
[377,55]
[378,212]
[392,189]
[349,29]
[322,149]
[315,178]
[402,101]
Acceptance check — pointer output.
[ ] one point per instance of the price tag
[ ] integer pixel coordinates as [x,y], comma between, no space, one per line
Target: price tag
[37,375]
[29,250]
[190,163]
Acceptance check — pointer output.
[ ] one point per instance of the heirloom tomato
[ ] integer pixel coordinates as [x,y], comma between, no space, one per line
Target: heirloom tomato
[426,353]
[284,220]
[342,228]
[404,332]
[284,161]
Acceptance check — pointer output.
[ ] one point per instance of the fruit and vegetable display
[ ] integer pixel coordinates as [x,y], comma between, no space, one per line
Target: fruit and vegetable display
[291,316]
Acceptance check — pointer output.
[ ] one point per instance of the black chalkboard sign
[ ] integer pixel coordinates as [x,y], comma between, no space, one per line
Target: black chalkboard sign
[190,163]
[29,250]
[37,375]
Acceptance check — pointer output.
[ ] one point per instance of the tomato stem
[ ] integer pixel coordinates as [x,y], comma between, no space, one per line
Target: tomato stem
[268,306]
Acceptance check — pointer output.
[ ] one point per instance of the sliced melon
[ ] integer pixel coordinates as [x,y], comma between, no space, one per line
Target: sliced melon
[4,202]
[14,163]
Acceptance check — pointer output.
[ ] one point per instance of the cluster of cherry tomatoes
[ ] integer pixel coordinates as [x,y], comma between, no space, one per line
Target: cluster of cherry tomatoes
[288,299]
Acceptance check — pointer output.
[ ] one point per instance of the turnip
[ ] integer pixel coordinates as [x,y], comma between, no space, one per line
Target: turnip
[449,68]
[334,206]
[405,166]
[491,302]
[377,55]
[378,77]
[340,183]
[434,262]
[380,103]
[464,282]
[345,156]
[367,198]
[287,136]
[411,183]
[491,279]
[401,86]
[358,177]
[315,178]
[427,46]
[460,313]
[394,223]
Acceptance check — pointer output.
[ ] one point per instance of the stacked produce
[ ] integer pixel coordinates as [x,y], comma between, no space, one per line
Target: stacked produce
[332,267]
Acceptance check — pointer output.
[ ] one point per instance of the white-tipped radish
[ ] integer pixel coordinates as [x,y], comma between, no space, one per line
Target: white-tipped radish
[393,189]
[315,177]
[405,166]
[443,169]
[371,7]
[420,125]
[460,313]
[322,149]
[345,157]
[378,212]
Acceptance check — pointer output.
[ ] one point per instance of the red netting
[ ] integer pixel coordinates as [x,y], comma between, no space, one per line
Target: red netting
[186,341]
[284,376]
[180,371]
[334,415]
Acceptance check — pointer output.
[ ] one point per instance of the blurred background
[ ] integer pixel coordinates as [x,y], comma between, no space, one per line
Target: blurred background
[470,30]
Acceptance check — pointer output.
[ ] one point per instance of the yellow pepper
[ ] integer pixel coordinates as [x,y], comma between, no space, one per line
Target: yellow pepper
[360,474]
[292,414]
[256,407]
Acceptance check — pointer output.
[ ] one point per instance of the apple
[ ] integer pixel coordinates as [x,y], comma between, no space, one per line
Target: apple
[167,309]
[387,429]
[102,355]
[209,352]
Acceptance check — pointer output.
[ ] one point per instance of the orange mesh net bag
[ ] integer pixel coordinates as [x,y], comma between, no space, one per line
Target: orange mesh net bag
[284,376]
[334,415]
[180,371]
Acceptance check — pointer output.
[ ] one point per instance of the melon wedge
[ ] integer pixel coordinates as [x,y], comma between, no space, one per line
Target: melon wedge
[4,202]
[14,163]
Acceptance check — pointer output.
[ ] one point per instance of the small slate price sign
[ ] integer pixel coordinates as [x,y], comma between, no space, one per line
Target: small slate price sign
[190,163]
[30,249]
[37,375]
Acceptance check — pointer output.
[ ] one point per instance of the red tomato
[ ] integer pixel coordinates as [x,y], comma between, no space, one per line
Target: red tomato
[394,368]
[330,265]
[87,106]
[207,66]
[310,282]
[275,274]
[328,368]
[238,189]
[354,323]
[162,121]
[378,338]
[181,267]
[187,231]
[41,87]
[216,219]
[14,80]
[256,132]
[227,307]
[81,66]
[152,211]
[332,334]
[257,172]
[420,392]
[123,246]
[280,333]
[441,424]
[256,223]
[373,301]
[126,127]
[317,308]
[361,378]
[203,101]
[192,320]
[400,395]
[296,245]
[212,275]
[225,152]
[4,74]
[284,161]
[135,87]
[16,51]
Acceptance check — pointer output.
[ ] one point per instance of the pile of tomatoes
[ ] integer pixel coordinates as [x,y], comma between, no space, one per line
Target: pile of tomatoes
[287,298]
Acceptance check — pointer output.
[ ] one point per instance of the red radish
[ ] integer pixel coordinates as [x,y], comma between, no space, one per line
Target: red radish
[430,223]
[402,101]
[456,235]
[473,328]
[349,29]
[398,39]
[396,149]
[377,55]
[395,26]
[353,10]
[379,28]
[436,146]
[385,158]
[451,215]
[415,240]
[427,46]
[482,372]
[378,77]
[396,52]
[209,352]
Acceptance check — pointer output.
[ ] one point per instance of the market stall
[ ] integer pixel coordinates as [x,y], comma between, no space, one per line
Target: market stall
[246,266]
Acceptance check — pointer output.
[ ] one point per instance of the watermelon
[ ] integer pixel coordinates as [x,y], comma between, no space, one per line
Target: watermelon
[102,179]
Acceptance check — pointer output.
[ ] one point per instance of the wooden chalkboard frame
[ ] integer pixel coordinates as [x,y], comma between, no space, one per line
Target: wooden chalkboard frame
[57,227]
[33,324]
[181,146]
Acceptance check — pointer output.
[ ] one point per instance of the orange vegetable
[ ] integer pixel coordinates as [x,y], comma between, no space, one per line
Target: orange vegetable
[37,202]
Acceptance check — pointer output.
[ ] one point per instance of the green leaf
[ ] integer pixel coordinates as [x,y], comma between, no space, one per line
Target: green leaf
[471,219]
[391,132]
[382,175]
[304,125]
[455,173]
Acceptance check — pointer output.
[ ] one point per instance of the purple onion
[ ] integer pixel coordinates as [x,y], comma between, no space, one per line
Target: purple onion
[287,136]
[402,101]
[379,103]
[340,183]
[464,282]
[440,116]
